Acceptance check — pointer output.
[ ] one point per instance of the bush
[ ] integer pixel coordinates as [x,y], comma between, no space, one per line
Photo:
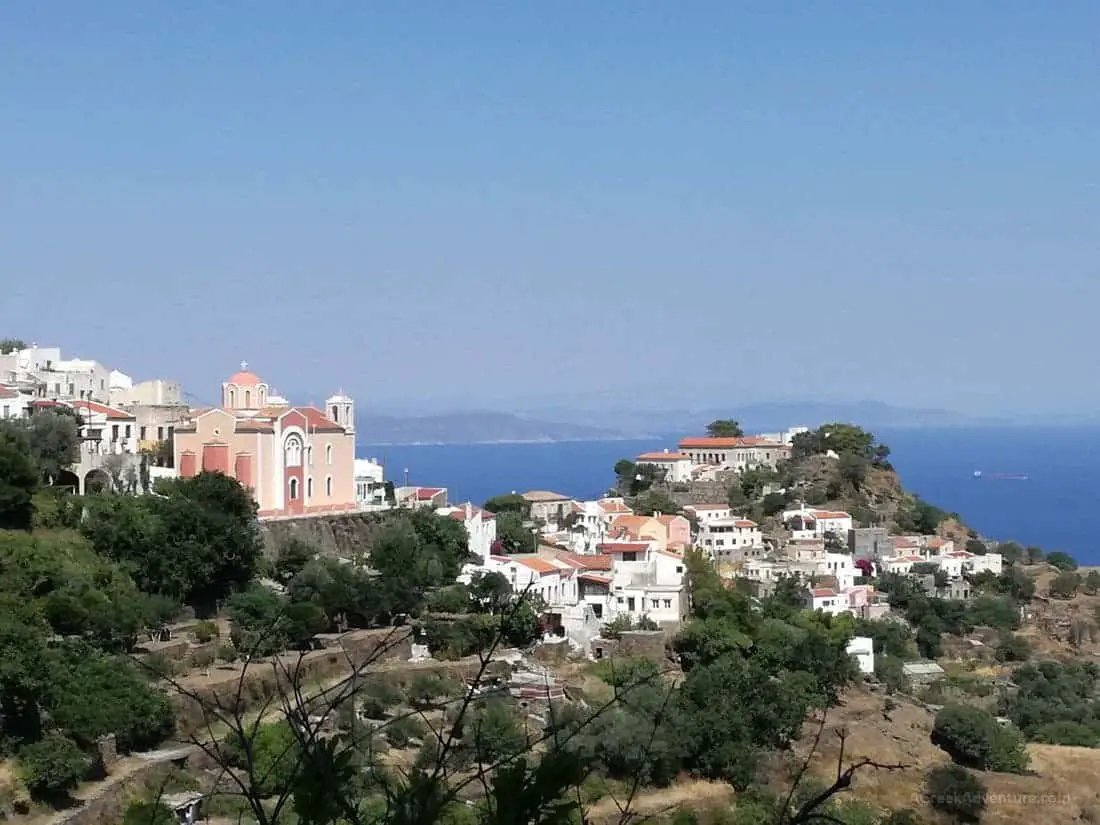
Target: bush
[159,666]
[1013,648]
[1067,733]
[1063,561]
[202,658]
[227,652]
[953,790]
[1065,585]
[402,730]
[427,688]
[52,766]
[148,813]
[974,738]
[206,631]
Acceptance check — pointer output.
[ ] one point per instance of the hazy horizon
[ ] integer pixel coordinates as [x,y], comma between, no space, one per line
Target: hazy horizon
[475,205]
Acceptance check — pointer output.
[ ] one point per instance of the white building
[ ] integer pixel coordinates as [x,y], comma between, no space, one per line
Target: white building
[14,403]
[735,453]
[827,600]
[481,528]
[706,513]
[807,522]
[370,484]
[841,567]
[675,467]
[722,538]
[863,649]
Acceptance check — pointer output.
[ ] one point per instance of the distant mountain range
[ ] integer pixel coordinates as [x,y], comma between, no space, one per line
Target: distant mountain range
[477,427]
[565,424]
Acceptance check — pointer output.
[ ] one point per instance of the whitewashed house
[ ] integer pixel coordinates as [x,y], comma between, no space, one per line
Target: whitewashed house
[675,468]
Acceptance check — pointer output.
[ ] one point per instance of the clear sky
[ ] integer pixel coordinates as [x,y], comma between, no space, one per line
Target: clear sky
[474,203]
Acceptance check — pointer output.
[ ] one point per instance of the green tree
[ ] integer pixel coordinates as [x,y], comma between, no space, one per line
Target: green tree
[1065,585]
[724,428]
[1063,561]
[1013,648]
[24,673]
[53,766]
[774,503]
[18,481]
[973,738]
[510,503]
[654,501]
[513,535]
[291,556]
[953,790]
[1011,552]
[54,436]
[1092,582]
[10,345]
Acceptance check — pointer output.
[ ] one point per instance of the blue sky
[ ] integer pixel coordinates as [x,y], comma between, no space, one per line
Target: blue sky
[483,204]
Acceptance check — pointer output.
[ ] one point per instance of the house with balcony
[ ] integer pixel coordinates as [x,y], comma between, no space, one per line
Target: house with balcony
[731,539]
[547,507]
[737,454]
[668,532]
[420,498]
[705,513]
[370,484]
[674,468]
[481,528]
[808,522]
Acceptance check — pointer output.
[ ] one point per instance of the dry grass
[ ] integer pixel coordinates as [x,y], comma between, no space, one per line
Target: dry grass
[1061,789]
[694,794]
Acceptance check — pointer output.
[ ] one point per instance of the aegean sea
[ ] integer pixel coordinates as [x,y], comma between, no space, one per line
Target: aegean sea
[1053,508]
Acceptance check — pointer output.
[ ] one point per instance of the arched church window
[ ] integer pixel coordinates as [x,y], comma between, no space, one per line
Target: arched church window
[328,454]
[293,489]
[293,451]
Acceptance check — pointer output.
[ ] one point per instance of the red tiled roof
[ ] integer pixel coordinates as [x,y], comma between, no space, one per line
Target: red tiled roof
[594,577]
[611,505]
[824,593]
[623,547]
[744,522]
[427,493]
[728,443]
[102,409]
[646,457]
[820,514]
[539,565]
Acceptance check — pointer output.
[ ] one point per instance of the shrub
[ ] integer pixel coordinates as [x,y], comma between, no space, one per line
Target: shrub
[953,790]
[148,813]
[402,730]
[52,766]
[206,631]
[1067,733]
[159,666]
[227,652]
[1013,648]
[202,658]
[1065,585]
[427,688]
[974,738]
[1063,561]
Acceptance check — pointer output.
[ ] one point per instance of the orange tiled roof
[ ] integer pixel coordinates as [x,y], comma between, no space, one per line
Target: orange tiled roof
[660,456]
[101,409]
[824,593]
[820,514]
[706,442]
[744,522]
[539,565]
[623,547]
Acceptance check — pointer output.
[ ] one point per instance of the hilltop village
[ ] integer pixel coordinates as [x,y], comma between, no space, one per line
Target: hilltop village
[219,613]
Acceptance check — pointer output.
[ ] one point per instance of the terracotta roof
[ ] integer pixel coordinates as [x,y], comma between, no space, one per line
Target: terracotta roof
[459,513]
[823,514]
[594,577]
[645,457]
[7,392]
[728,443]
[102,409]
[623,547]
[613,505]
[824,593]
[244,378]
[909,558]
[535,496]
[905,541]
[426,493]
[317,421]
[744,522]
[960,554]
[936,541]
[539,565]
[666,519]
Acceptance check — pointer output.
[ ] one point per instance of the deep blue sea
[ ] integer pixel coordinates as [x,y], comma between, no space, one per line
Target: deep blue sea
[1053,508]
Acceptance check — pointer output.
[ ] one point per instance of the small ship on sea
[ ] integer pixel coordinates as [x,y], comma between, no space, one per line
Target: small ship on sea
[978,474]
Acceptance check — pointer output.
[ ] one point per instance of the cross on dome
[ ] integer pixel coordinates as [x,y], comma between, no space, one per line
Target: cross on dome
[244,365]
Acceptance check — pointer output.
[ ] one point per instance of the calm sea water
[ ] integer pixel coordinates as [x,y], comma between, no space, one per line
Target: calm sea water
[1053,508]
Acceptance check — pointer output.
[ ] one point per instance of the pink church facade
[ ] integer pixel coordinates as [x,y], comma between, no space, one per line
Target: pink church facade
[296,460]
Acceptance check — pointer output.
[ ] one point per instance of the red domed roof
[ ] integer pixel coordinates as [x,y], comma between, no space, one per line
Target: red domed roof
[244,378]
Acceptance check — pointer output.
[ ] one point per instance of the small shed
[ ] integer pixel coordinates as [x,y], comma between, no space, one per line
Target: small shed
[922,673]
[186,806]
